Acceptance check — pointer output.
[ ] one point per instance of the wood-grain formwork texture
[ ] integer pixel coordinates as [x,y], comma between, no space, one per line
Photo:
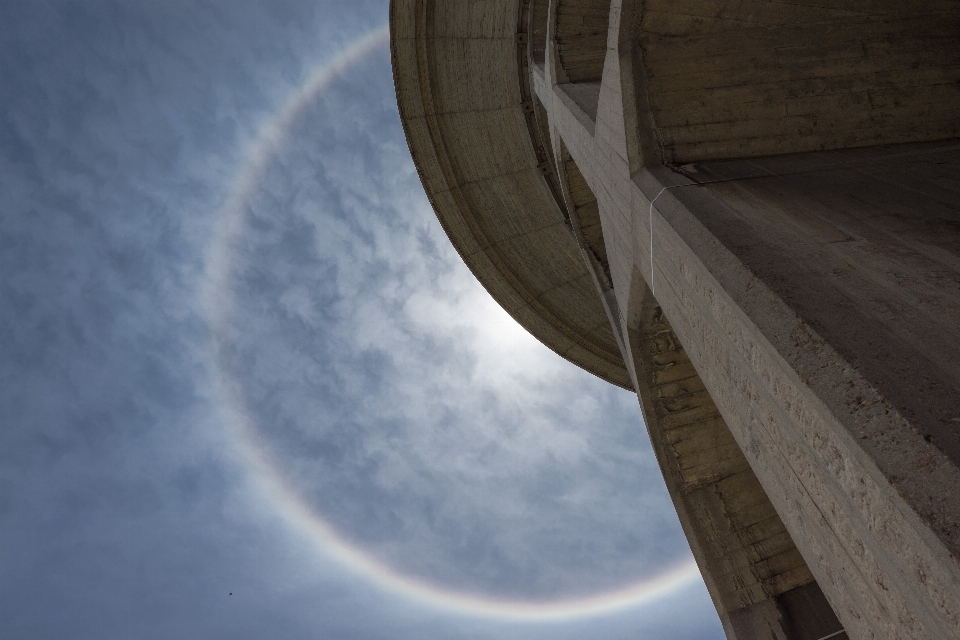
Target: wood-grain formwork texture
[749,213]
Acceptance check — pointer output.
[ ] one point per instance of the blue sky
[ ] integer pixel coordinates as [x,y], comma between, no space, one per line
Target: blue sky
[170,438]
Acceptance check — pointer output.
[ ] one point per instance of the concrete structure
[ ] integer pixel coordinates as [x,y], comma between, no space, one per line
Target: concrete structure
[749,213]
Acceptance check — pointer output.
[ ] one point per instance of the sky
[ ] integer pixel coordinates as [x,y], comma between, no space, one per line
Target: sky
[247,387]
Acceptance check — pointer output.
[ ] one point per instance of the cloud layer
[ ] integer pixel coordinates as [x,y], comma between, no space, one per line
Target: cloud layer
[402,404]
[397,401]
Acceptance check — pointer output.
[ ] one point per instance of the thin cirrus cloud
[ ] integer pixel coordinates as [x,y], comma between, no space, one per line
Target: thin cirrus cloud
[385,395]
[404,406]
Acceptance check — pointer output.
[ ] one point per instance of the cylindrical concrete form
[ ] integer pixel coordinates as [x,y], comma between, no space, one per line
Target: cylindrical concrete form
[749,213]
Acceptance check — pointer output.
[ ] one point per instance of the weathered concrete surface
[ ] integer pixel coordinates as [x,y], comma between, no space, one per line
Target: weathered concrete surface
[804,395]
[473,134]
[797,348]
[755,77]
[751,565]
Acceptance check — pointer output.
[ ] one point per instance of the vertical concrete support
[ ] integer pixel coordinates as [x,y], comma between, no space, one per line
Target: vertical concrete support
[537,31]
[829,395]
[824,325]
[757,577]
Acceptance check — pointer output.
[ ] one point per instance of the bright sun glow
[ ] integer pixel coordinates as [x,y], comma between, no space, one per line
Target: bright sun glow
[504,347]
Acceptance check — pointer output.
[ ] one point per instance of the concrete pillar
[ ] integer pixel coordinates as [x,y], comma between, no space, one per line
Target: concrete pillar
[816,298]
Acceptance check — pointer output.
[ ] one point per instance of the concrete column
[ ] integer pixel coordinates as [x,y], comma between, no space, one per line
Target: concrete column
[816,297]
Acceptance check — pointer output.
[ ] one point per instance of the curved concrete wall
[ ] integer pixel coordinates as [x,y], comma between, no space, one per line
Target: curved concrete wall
[457,69]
